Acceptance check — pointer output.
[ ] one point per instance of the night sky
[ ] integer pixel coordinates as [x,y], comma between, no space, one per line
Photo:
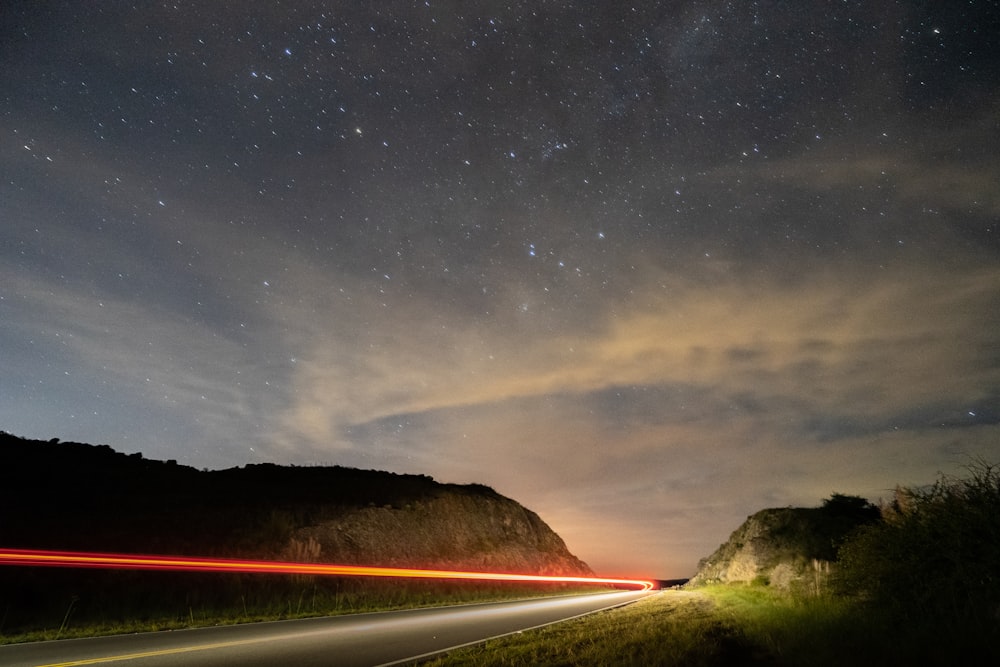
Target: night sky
[644,267]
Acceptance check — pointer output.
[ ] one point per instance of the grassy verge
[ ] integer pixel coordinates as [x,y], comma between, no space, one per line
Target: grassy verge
[671,628]
[832,630]
[732,625]
[815,631]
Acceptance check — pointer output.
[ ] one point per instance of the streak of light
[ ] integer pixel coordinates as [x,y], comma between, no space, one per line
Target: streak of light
[113,561]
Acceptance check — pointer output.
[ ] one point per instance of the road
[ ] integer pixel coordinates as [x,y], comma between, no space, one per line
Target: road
[343,641]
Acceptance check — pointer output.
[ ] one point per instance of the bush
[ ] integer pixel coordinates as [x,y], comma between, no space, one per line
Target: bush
[932,564]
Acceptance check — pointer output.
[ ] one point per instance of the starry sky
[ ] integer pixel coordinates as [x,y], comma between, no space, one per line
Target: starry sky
[644,267]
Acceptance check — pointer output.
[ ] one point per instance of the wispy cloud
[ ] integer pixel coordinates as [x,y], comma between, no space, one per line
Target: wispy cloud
[769,391]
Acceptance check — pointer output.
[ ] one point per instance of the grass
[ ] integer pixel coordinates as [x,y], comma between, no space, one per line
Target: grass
[670,628]
[721,625]
[817,631]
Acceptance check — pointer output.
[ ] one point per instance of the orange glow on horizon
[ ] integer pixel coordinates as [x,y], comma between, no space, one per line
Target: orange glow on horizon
[111,561]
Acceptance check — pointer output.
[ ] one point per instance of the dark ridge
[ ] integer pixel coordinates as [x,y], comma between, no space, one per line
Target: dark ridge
[75,496]
[78,497]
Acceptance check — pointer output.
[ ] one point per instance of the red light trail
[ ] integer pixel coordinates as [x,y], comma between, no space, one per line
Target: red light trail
[110,561]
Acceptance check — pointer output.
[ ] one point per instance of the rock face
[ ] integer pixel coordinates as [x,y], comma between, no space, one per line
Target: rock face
[790,548]
[482,531]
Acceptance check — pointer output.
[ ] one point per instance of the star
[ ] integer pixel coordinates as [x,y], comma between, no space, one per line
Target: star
[628,254]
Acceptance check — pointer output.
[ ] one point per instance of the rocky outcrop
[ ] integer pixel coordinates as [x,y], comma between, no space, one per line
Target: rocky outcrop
[455,530]
[792,548]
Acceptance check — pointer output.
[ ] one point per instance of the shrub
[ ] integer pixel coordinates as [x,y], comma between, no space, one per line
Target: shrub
[931,563]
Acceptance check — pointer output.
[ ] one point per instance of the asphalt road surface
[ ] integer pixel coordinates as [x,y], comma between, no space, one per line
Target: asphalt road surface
[356,640]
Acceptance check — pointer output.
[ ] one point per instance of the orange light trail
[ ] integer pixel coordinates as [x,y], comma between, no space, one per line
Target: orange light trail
[110,561]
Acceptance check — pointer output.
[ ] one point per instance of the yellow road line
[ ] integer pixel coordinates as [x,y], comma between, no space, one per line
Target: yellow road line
[151,654]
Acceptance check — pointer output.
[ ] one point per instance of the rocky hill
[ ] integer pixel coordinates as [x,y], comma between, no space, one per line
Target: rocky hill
[83,497]
[486,532]
[789,548]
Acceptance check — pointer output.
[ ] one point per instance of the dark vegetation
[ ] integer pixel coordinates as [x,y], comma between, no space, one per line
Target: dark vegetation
[73,496]
[914,581]
[66,495]
[929,571]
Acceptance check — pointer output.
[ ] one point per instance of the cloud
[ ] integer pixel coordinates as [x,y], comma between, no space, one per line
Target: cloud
[859,345]
[702,397]
[99,358]
[927,181]
[712,285]
[706,389]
